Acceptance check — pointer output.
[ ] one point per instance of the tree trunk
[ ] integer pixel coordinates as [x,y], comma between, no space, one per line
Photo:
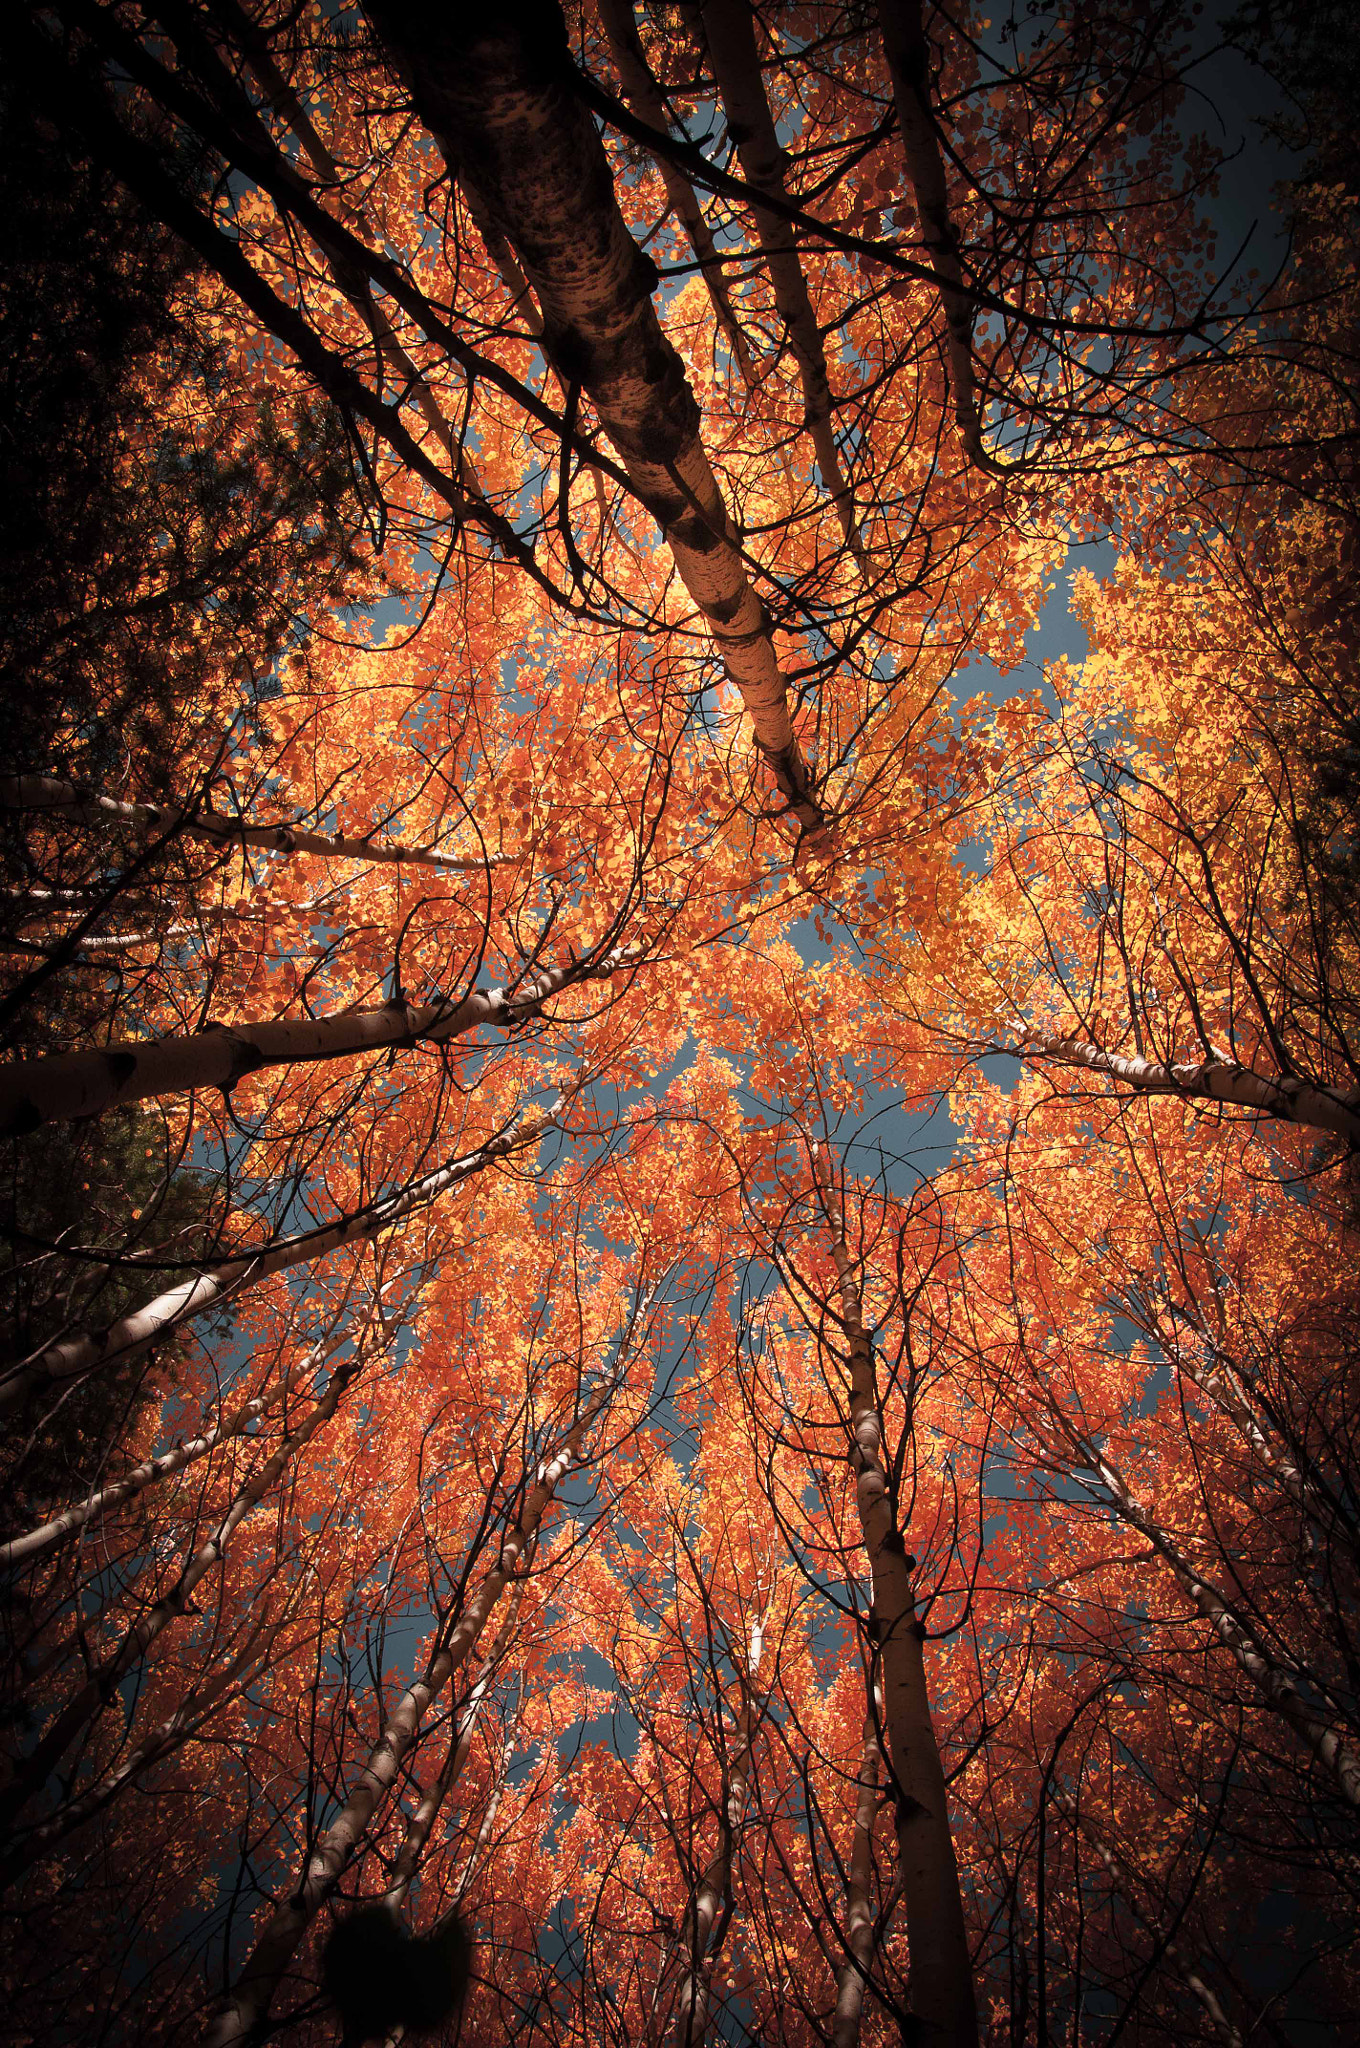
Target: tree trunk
[245,2013]
[1275,1685]
[941,1983]
[1291,1468]
[48,794]
[859,1914]
[73,1357]
[50,1535]
[85,1084]
[728,29]
[496,89]
[460,1748]
[703,1913]
[1289,1098]
[908,53]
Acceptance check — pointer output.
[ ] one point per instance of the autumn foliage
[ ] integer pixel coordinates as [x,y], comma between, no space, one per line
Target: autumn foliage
[679,1292]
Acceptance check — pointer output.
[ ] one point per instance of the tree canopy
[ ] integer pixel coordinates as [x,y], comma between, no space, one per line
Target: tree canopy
[679,1214]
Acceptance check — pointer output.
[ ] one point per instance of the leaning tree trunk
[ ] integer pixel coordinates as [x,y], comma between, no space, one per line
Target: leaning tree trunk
[908,53]
[728,29]
[245,2013]
[496,87]
[105,1500]
[73,1357]
[48,795]
[1291,1468]
[461,1732]
[85,1084]
[1289,1097]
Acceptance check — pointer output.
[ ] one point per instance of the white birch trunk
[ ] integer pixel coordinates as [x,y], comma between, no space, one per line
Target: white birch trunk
[1289,1098]
[73,1357]
[1220,1382]
[525,144]
[460,1748]
[689,2023]
[46,793]
[85,1084]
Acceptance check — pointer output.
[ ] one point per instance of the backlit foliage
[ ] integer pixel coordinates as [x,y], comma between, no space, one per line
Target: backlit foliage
[680,1231]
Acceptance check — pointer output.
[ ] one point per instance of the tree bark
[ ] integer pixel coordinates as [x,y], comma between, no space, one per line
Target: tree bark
[728,29]
[46,793]
[460,1748]
[496,87]
[941,1983]
[74,1357]
[85,1084]
[908,54]
[1219,1380]
[1289,1098]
